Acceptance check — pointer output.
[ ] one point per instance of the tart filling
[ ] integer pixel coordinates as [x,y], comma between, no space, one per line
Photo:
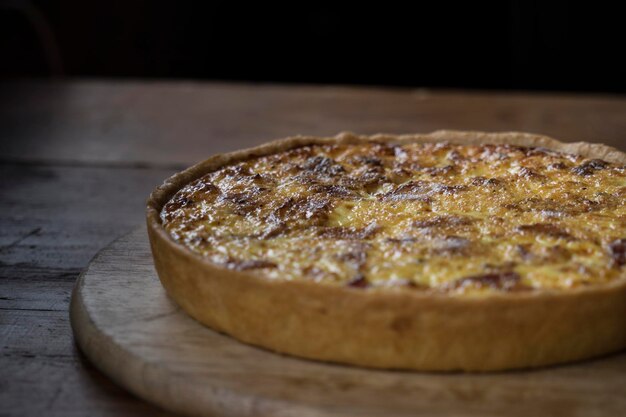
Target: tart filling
[464,219]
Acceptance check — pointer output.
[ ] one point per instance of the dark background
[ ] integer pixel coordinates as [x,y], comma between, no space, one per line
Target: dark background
[536,45]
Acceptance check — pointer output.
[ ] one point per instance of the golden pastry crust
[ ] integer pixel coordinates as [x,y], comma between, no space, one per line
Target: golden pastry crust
[470,320]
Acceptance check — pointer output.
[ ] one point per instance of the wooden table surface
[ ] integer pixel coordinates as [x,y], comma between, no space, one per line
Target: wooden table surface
[77,160]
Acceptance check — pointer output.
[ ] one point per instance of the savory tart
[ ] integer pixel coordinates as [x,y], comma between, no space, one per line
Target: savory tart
[448,251]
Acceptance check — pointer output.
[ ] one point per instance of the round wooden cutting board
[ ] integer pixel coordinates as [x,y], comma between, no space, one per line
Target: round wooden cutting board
[125,323]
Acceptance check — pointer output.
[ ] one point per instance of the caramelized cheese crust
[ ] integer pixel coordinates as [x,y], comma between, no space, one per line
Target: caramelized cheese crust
[438,217]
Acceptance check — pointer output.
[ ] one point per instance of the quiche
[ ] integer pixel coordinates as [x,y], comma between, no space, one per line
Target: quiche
[449,251]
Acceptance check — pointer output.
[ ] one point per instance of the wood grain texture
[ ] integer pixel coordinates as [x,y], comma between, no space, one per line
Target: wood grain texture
[126,324]
[53,219]
[183,122]
[78,159]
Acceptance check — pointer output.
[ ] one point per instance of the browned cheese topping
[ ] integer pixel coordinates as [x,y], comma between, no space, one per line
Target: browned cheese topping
[417,217]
